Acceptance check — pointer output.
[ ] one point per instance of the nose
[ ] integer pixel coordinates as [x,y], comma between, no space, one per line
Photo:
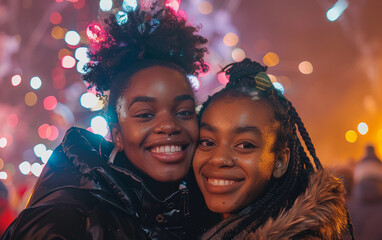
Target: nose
[222,157]
[167,125]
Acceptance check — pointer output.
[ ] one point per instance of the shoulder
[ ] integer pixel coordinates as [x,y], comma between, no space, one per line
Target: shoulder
[319,211]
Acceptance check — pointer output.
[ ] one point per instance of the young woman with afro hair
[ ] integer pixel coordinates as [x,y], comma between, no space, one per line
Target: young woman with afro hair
[139,186]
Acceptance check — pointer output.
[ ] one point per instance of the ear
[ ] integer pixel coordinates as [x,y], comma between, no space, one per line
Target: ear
[117,136]
[282,162]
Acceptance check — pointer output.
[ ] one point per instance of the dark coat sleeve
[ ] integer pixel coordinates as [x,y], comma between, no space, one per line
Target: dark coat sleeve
[58,221]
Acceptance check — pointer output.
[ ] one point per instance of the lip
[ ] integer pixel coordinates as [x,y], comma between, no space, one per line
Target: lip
[174,157]
[232,183]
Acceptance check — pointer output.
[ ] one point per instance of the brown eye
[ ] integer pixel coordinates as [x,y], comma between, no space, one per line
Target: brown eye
[206,143]
[246,145]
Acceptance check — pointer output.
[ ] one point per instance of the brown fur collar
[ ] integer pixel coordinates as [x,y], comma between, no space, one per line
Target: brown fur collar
[321,209]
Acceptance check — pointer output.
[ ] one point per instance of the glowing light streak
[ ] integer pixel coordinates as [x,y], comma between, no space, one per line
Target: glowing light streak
[336,11]
[35,82]
[16,80]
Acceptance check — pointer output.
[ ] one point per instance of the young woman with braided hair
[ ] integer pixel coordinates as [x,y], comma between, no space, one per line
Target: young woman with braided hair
[253,169]
[140,185]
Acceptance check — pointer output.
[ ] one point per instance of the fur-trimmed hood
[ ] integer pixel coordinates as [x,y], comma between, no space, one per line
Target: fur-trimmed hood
[321,209]
[319,213]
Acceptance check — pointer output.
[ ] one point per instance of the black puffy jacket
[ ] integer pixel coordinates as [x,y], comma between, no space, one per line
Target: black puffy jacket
[81,196]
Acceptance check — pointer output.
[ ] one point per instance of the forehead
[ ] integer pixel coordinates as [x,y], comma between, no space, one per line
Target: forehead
[158,80]
[237,111]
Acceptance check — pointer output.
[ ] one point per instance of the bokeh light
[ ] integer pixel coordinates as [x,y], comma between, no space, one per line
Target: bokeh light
[42,131]
[279,86]
[271,59]
[30,99]
[39,149]
[95,33]
[55,18]
[88,100]
[25,167]
[68,62]
[173,4]
[194,81]
[3,142]
[238,54]
[351,136]
[230,39]
[46,155]
[36,169]
[3,175]
[13,120]
[105,5]
[222,78]
[205,7]
[363,128]
[52,133]
[98,106]
[81,54]
[72,38]
[305,67]
[16,80]
[58,32]
[50,102]
[129,5]
[63,52]
[35,83]
[99,125]
[121,17]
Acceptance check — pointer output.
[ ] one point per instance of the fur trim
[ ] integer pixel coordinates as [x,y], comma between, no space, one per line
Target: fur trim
[321,209]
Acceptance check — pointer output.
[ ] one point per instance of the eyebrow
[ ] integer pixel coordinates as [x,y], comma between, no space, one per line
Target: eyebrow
[207,127]
[184,97]
[142,99]
[252,129]
[179,98]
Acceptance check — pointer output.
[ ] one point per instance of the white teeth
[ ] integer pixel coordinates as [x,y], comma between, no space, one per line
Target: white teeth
[220,182]
[167,149]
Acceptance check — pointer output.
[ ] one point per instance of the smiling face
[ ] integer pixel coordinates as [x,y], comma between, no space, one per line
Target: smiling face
[235,159]
[157,128]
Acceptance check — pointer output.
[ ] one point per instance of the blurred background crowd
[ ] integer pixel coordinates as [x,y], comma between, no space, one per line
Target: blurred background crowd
[325,55]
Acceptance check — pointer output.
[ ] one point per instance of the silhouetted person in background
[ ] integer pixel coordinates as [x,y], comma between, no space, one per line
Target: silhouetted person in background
[366,203]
